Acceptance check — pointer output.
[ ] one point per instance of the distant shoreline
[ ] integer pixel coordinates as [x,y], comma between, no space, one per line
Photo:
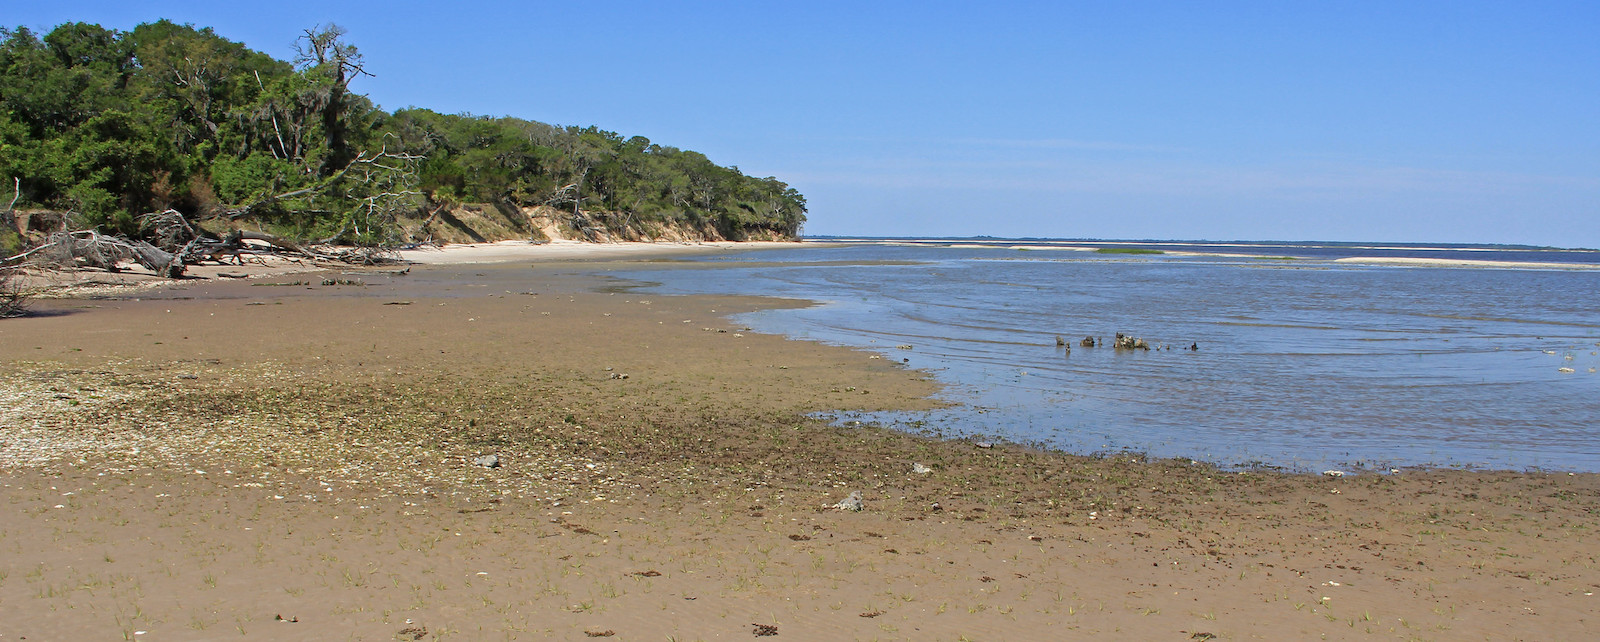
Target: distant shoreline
[1337,252]
[1420,262]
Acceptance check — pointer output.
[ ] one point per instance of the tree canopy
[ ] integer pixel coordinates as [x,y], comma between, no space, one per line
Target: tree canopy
[112,124]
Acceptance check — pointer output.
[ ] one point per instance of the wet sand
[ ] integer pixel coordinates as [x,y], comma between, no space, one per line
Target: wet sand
[240,459]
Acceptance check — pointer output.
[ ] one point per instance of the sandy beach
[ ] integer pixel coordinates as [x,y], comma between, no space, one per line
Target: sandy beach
[1462,263]
[372,455]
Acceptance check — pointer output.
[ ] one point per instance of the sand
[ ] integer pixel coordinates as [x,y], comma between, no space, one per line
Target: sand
[503,251]
[1463,263]
[273,458]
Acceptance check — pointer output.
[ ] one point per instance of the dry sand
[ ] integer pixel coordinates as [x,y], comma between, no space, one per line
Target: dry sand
[504,251]
[239,459]
[1463,263]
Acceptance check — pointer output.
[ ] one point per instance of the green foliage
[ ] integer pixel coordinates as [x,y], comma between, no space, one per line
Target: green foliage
[10,243]
[250,179]
[112,124]
[482,159]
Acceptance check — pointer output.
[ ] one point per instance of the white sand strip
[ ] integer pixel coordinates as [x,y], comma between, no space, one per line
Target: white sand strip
[505,251]
[1421,262]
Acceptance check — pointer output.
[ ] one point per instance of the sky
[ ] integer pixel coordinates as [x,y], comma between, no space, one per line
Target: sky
[1390,121]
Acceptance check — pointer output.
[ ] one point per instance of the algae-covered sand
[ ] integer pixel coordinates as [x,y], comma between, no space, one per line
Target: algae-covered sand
[233,460]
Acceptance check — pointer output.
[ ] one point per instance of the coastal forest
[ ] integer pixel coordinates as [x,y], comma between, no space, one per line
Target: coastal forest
[110,126]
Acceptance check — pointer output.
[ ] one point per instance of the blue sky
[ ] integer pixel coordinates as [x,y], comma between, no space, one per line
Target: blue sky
[1371,121]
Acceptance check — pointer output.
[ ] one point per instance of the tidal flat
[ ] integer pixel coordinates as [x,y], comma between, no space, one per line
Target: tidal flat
[303,461]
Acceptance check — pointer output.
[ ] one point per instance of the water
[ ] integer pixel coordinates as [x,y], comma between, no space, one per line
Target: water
[1306,363]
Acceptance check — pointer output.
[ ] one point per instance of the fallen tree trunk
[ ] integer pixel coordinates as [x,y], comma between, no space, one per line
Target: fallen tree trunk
[163,263]
[178,245]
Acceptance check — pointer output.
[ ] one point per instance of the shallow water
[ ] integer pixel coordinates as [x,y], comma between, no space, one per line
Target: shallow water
[1306,364]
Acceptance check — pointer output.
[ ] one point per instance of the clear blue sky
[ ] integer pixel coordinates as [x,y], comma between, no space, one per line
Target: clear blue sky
[1381,121]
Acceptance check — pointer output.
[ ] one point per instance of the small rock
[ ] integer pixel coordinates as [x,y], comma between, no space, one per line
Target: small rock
[983,444]
[851,503]
[487,461]
[920,469]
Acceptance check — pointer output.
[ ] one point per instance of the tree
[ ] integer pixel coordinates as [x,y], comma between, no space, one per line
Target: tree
[112,125]
[324,56]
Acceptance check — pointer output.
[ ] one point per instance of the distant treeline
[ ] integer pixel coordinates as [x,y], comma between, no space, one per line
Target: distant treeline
[113,124]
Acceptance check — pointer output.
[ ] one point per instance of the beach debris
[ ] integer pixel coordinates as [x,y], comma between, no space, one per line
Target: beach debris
[619,375]
[600,634]
[1549,351]
[764,630]
[291,619]
[983,444]
[1087,342]
[1565,370]
[413,633]
[920,469]
[1125,342]
[903,346]
[487,461]
[851,503]
[872,613]
[1333,473]
[398,303]
[936,507]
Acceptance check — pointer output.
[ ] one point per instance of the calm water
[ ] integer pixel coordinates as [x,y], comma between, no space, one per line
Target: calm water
[1303,363]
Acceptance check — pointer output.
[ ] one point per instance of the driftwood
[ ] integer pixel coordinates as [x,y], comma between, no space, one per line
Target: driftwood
[13,301]
[177,245]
